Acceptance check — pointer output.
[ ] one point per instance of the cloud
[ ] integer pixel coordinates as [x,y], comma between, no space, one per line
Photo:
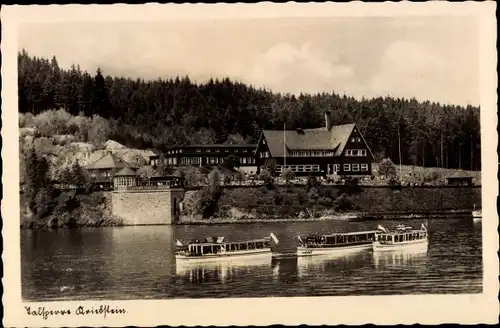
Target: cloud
[408,69]
[285,68]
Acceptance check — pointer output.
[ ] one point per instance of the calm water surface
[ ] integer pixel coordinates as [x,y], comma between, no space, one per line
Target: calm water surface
[139,263]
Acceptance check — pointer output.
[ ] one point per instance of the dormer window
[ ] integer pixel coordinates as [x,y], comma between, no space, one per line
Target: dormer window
[217,150]
[198,150]
[353,139]
[244,150]
[227,150]
[208,150]
[358,139]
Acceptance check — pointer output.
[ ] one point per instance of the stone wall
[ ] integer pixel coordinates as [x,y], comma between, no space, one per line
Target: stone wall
[147,207]
[371,200]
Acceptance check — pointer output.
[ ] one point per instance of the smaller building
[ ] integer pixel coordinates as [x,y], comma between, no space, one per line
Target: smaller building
[126,177]
[459,178]
[101,172]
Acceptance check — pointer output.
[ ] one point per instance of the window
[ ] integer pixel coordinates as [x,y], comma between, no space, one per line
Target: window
[227,150]
[198,150]
[358,139]
[208,150]
[347,167]
[175,160]
[195,160]
[278,168]
[353,139]
[236,150]
[315,168]
[355,167]
[217,150]
[300,168]
[363,152]
[244,150]
[336,167]
[185,160]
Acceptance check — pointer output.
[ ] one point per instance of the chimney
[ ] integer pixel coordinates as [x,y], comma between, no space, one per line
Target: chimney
[328,120]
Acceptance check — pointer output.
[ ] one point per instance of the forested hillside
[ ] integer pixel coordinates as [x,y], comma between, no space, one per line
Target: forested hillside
[174,110]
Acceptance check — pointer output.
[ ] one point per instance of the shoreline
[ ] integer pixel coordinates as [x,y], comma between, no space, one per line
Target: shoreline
[358,217]
[333,217]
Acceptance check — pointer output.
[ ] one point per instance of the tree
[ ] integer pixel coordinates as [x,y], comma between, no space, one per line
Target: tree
[270,165]
[265,176]
[231,162]
[36,175]
[287,175]
[77,175]
[100,100]
[387,168]
[99,131]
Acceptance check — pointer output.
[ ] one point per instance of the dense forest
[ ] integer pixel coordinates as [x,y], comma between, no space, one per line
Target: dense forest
[165,112]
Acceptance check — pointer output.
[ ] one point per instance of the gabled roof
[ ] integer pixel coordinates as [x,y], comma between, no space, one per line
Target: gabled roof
[460,174]
[108,161]
[320,139]
[125,172]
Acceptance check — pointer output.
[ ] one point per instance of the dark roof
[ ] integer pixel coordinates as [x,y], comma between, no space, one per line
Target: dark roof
[108,161]
[221,146]
[320,139]
[460,174]
[125,172]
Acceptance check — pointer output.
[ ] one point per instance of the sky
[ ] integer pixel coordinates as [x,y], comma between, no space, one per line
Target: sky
[429,58]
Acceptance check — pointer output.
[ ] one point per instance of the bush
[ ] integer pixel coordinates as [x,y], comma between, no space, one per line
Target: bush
[343,203]
[278,198]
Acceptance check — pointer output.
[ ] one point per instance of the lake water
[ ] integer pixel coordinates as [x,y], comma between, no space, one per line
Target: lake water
[138,263]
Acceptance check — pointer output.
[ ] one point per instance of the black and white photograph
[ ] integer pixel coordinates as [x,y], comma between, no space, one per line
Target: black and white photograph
[224,156]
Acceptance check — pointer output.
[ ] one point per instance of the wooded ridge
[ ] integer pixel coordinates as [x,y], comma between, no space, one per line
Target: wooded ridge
[176,111]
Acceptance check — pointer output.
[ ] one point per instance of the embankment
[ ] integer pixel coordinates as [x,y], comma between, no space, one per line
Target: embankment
[255,204]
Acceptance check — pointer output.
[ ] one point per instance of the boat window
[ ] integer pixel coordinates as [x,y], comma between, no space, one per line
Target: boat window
[251,245]
[259,245]
[243,246]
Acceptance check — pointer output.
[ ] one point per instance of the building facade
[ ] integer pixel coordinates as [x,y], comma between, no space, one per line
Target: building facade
[202,155]
[339,149]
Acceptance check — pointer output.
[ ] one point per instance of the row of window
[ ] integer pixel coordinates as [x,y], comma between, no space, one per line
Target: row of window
[125,181]
[213,160]
[355,167]
[208,150]
[264,154]
[355,152]
[308,153]
[299,168]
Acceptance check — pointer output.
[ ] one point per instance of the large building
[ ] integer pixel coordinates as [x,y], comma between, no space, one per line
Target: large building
[339,149]
[215,154]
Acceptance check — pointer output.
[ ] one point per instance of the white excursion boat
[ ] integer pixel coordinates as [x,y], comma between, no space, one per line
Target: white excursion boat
[402,237]
[344,242]
[218,249]
[477,214]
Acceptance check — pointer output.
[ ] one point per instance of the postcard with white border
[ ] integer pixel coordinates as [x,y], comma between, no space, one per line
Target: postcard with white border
[249,164]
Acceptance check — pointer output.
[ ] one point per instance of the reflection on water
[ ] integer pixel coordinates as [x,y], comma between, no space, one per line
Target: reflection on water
[311,265]
[407,258]
[139,263]
[220,271]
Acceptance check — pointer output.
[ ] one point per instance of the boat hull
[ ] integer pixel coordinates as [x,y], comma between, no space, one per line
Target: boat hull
[414,244]
[241,255]
[311,251]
